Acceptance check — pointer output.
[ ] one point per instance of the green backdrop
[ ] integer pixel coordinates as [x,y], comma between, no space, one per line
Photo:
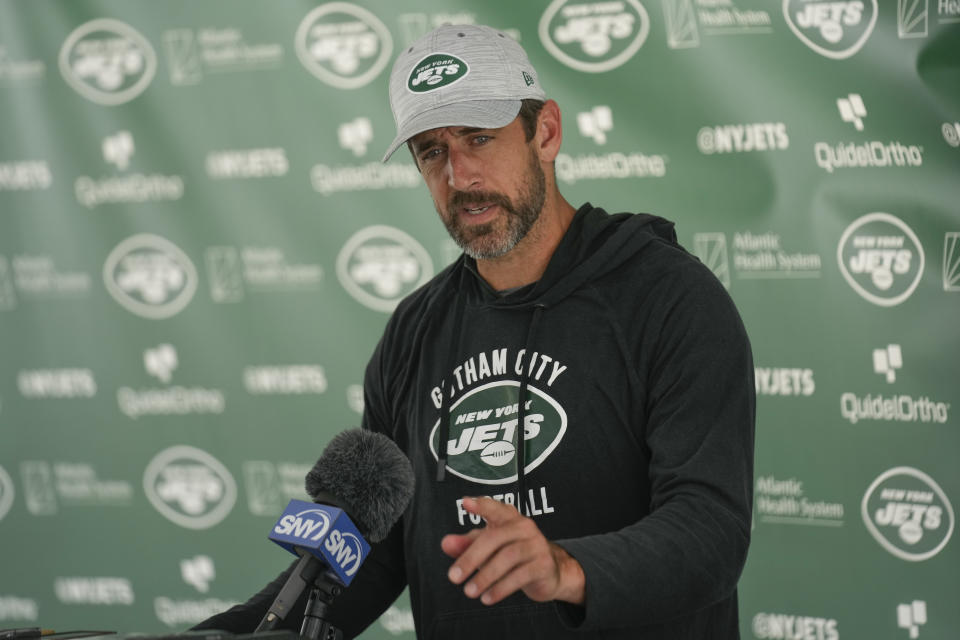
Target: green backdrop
[199,248]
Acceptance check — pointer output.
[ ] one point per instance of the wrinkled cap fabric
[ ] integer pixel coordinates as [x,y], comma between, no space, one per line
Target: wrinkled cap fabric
[459,76]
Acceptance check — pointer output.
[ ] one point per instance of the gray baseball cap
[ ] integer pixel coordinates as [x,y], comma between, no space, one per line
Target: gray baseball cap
[459,76]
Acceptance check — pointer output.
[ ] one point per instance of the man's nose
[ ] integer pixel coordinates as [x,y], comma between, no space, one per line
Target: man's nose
[463,170]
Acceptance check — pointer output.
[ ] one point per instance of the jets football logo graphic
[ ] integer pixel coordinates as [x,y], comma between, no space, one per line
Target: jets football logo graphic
[484,427]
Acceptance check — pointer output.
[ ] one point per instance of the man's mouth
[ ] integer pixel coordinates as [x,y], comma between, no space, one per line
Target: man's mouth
[475,211]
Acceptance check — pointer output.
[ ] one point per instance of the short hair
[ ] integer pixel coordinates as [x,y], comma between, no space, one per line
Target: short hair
[529,112]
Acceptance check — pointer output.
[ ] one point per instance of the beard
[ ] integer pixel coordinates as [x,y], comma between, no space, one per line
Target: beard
[496,238]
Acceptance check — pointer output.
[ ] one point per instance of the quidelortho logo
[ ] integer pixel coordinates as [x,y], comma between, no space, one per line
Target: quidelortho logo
[852,110]
[355,135]
[198,572]
[908,513]
[887,360]
[594,36]
[881,258]
[833,29]
[895,407]
[863,155]
[107,61]
[6,492]
[160,362]
[380,265]
[596,123]
[118,149]
[150,276]
[911,616]
[343,44]
[189,487]
[484,428]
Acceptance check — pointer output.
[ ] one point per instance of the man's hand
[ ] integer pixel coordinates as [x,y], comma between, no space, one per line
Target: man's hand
[511,554]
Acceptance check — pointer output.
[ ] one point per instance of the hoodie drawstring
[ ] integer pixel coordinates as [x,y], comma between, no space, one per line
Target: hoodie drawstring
[522,411]
[442,443]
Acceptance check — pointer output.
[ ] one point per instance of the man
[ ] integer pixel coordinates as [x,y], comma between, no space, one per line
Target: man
[590,346]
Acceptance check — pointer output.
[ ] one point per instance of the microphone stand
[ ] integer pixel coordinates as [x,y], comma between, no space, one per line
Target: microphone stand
[315,625]
[309,571]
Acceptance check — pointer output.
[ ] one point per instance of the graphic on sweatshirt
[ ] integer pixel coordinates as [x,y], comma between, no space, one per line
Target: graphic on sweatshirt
[484,429]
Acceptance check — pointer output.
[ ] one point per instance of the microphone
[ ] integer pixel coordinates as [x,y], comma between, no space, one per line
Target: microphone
[361,485]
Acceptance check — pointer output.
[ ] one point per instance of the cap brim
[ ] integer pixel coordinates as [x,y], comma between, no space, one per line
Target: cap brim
[483,114]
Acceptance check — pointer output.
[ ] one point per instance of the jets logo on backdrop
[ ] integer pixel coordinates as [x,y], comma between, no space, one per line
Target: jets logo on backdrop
[881,258]
[594,36]
[484,427]
[379,265]
[344,45]
[189,487]
[908,514]
[150,276]
[435,72]
[833,29]
[107,61]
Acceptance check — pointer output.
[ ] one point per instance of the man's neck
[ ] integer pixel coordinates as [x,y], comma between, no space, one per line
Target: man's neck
[527,261]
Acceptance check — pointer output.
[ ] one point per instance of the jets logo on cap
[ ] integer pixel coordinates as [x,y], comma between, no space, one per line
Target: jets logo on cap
[436,71]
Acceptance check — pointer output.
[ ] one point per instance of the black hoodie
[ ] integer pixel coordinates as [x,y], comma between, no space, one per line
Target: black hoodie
[638,420]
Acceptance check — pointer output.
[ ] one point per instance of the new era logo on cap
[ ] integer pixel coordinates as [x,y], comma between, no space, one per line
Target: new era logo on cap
[459,75]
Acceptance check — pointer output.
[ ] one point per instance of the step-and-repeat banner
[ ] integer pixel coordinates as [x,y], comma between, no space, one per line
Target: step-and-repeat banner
[199,248]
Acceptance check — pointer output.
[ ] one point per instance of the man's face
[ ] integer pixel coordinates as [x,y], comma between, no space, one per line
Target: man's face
[487,185]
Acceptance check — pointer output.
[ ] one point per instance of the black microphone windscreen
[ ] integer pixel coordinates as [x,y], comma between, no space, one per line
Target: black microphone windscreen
[368,475]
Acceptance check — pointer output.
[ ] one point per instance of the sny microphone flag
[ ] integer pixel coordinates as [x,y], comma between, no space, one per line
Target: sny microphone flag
[325,532]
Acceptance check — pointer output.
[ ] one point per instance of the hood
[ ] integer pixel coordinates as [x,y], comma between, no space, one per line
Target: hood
[595,244]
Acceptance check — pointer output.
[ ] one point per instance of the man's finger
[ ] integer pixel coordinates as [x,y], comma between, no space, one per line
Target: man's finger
[491,510]
[455,544]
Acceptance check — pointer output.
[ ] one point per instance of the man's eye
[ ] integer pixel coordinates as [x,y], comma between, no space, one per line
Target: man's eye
[481,139]
[429,154]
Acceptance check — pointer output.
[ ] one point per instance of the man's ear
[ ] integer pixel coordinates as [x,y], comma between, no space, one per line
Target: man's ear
[549,131]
